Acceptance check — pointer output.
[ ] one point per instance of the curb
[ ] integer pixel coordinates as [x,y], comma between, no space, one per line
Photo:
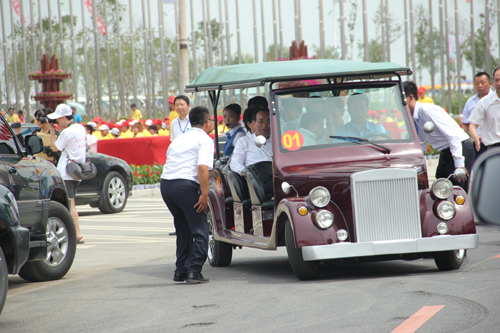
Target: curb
[138,191]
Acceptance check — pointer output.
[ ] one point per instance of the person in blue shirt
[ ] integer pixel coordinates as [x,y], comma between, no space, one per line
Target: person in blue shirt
[232,113]
[76,116]
[359,126]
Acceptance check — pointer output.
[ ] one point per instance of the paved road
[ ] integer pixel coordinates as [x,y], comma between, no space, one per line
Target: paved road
[121,281]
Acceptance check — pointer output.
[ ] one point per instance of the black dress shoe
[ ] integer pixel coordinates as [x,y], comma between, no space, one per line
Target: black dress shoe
[193,278]
[180,277]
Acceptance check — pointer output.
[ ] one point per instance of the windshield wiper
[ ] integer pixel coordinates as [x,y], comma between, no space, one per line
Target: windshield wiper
[349,138]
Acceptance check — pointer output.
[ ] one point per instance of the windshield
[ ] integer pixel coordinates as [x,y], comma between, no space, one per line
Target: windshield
[323,119]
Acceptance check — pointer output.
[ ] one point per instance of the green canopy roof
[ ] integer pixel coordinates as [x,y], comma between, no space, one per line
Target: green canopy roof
[250,75]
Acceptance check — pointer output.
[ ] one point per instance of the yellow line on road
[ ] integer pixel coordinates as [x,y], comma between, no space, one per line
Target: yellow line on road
[418,319]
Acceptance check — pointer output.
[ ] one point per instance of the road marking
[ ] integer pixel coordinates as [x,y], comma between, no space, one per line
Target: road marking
[127,239]
[418,319]
[497,257]
[110,228]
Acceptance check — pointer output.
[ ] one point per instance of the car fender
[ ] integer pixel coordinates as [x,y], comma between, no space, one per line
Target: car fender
[463,222]
[51,183]
[305,231]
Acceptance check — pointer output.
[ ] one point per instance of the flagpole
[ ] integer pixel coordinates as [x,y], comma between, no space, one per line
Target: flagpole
[382,31]
[86,58]
[7,81]
[238,38]
[407,51]
[27,87]
[264,48]
[472,38]
[412,38]
[108,61]
[51,38]
[205,33]
[209,23]
[441,51]
[487,33]
[33,49]
[40,22]
[61,41]
[14,56]
[97,59]
[281,29]
[152,63]
[321,30]
[275,32]
[342,30]
[448,69]
[146,57]
[73,51]
[387,30]
[164,70]
[132,49]
[120,60]
[221,35]
[228,33]
[431,41]
[193,36]
[365,32]
[256,45]
[458,58]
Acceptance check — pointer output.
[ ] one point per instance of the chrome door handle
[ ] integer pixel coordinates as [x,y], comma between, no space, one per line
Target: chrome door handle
[12,170]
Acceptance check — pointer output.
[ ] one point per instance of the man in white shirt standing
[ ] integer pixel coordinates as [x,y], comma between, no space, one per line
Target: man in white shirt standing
[487,115]
[71,142]
[184,188]
[246,153]
[180,124]
[455,146]
[482,84]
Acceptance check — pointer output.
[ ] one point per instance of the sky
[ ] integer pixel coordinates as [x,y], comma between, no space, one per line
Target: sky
[309,14]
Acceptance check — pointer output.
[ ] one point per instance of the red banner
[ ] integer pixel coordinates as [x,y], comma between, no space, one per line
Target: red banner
[99,22]
[17,8]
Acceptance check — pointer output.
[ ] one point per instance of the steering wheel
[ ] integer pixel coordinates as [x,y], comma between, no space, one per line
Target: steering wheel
[373,135]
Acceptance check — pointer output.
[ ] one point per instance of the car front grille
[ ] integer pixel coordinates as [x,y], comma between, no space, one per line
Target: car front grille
[386,205]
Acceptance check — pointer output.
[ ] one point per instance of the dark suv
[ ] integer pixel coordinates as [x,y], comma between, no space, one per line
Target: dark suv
[43,203]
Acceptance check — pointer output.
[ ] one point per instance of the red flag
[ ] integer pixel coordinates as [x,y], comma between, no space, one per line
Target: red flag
[17,8]
[99,22]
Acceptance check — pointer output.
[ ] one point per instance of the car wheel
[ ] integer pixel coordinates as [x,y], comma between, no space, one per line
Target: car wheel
[114,193]
[220,254]
[4,280]
[304,270]
[449,260]
[61,248]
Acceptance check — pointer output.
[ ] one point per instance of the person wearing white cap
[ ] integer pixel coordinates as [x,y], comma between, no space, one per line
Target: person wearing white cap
[71,142]
[115,132]
[105,132]
[147,124]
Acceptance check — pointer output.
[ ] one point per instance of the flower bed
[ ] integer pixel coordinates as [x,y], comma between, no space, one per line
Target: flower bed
[146,174]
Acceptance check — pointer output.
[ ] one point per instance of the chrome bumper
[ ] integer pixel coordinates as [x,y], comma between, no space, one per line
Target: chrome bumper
[420,245]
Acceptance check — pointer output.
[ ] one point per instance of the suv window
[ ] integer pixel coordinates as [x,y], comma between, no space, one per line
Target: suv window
[307,120]
[7,141]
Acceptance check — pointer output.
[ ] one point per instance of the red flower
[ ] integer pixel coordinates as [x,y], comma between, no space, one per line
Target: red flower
[150,174]
[157,172]
[136,173]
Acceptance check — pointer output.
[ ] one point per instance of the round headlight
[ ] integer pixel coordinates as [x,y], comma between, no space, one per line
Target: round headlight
[442,188]
[342,235]
[446,210]
[319,196]
[442,228]
[324,219]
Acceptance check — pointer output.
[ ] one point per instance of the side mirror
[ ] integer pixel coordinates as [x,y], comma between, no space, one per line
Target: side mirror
[428,128]
[34,144]
[260,141]
[484,187]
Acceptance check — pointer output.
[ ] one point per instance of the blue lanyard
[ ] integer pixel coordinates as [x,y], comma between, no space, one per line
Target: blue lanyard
[182,130]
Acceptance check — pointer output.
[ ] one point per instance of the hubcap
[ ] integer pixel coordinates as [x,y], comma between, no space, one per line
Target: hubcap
[57,241]
[211,240]
[460,254]
[116,192]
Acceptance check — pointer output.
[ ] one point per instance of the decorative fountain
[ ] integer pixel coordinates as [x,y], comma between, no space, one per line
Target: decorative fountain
[50,77]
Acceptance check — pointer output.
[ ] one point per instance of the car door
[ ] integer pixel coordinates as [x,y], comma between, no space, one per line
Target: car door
[21,175]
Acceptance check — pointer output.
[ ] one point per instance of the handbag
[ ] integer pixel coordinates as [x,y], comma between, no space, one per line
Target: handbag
[83,171]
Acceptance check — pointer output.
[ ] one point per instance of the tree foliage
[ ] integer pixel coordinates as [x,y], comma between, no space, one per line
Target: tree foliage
[479,37]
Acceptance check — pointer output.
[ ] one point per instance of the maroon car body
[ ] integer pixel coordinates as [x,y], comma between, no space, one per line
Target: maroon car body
[340,198]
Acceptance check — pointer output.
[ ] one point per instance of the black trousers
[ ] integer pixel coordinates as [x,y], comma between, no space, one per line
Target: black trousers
[446,165]
[180,196]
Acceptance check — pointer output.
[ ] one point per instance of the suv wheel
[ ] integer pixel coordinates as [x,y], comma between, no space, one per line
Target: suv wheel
[61,247]
[4,280]
[304,270]
[114,193]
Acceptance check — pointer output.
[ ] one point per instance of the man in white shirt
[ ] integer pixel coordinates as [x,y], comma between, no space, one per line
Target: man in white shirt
[71,142]
[482,84]
[246,153]
[184,188]
[312,128]
[455,147]
[487,115]
[180,124]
